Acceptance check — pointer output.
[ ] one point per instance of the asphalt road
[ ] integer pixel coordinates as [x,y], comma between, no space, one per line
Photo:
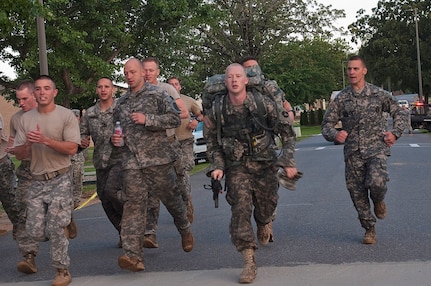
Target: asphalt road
[316,224]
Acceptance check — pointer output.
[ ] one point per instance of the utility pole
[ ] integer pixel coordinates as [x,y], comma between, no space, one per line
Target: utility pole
[41,39]
[342,72]
[421,94]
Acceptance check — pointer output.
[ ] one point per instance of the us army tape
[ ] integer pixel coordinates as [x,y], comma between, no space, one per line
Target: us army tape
[87,201]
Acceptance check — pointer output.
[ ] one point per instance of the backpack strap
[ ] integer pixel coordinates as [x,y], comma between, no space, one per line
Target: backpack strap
[217,109]
[261,111]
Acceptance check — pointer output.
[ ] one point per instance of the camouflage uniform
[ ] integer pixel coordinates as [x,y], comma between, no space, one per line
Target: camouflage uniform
[246,153]
[147,159]
[77,161]
[26,243]
[183,166]
[7,179]
[7,192]
[106,159]
[365,152]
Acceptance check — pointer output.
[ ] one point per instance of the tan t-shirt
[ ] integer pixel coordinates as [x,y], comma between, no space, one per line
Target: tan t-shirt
[184,132]
[60,125]
[3,139]
[172,92]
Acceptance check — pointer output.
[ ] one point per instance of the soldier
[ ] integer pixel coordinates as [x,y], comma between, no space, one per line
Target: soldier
[50,135]
[98,123]
[7,178]
[250,62]
[242,149]
[186,138]
[151,74]
[27,246]
[145,113]
[78,161]
[361,107]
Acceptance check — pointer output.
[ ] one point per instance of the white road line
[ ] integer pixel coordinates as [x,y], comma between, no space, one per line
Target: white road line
[320,148]
[414,145]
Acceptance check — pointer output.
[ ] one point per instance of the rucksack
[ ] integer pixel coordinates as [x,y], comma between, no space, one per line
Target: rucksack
[257,84]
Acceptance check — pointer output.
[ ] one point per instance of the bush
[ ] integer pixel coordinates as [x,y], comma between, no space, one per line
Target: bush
[320,116]
[303,120]
[312,119]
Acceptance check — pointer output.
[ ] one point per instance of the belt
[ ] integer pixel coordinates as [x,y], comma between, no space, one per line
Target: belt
[4,159]
[50,175]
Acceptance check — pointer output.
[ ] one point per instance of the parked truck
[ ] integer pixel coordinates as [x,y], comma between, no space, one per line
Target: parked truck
[420,115]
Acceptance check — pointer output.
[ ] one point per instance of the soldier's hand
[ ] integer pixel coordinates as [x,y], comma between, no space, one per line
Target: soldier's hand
[37,136]
[217,174]
[193,124]
[116,139]
[138,118]
[290,172]
[389,138]
[341,136]
[85,142]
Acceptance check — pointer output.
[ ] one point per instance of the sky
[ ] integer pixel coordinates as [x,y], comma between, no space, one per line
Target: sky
[350,7]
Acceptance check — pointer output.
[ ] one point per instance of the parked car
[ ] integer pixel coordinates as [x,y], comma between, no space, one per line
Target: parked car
[199,144]
[404,104]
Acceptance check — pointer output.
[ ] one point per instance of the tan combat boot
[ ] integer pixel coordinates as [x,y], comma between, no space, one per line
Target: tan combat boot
[264,233]
[249,271]
[72,228]
[370,236]
[28,265]
[62,278]
[150,241]
[187,241]
[134,264]
[380,209]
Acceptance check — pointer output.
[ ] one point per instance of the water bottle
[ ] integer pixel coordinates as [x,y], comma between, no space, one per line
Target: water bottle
[118,130]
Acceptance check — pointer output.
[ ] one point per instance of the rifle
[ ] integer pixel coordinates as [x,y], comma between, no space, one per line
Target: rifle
[216,189]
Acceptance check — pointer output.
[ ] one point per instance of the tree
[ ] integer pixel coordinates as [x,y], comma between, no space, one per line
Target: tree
[308,70]
[228,30]
[85,40]
[192,39]
[389,43]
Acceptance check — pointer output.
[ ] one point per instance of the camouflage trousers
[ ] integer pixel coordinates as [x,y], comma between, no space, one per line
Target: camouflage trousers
[184,188]
[77,161]
[252,189]
[365,179]
[26,244]
[160,181]
[188,162]
[7,190]
[49,209]
[109,190]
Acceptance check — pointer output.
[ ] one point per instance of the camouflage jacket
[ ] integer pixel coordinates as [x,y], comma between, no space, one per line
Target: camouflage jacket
[147,144]
[252,142]
[364,118]
[100,126]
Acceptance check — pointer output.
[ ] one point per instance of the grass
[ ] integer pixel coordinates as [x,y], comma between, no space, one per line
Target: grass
[198,168]
[308,131]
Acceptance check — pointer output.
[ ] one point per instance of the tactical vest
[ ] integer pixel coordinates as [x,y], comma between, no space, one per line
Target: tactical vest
[244,134]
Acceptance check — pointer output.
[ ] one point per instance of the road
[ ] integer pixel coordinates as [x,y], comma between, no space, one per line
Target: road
[315,225]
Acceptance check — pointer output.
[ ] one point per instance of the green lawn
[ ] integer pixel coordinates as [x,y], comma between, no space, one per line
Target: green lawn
[307,131]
